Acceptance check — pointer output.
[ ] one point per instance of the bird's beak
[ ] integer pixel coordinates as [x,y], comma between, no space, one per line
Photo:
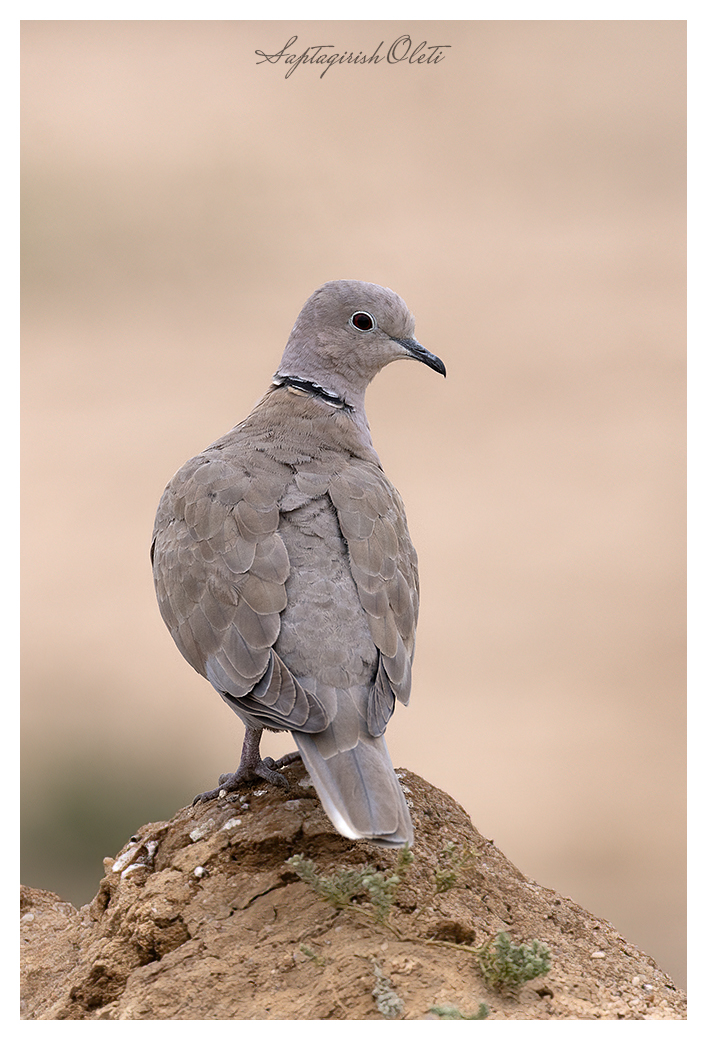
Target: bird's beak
[417,351]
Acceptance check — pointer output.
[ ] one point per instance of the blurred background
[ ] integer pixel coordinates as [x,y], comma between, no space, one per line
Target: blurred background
[526,197]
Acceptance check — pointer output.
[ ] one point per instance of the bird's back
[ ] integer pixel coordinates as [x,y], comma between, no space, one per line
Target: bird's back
[300,546]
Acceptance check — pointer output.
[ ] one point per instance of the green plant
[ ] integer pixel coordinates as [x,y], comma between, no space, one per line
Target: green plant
[387,1000]
[454,861]
[381,886]
[338,889]
[341,888]
[506,966]
[315,957]
[449,1011]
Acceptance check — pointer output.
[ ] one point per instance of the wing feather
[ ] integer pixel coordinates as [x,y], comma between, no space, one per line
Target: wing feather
[220,568]
[384,568]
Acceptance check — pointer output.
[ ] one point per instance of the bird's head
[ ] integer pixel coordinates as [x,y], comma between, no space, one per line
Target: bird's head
[346,333]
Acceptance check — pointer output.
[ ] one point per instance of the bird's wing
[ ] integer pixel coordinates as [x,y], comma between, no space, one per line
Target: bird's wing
[220,568]
[384,566]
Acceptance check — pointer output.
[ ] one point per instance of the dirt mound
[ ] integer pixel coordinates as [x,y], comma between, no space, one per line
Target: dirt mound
[203,917]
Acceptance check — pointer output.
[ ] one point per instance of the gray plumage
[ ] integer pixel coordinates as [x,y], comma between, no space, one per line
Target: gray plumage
[284,568]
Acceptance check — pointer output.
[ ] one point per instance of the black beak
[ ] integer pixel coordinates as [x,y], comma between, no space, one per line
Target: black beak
[417,351]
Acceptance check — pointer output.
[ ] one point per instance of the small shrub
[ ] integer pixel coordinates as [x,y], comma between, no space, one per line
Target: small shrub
[454,862]
[341,888]
[338,889]
[506,966]
[449,1011]
[313,955]
[387,1000]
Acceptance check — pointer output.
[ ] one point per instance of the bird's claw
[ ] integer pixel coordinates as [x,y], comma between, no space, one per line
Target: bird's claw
[266,769]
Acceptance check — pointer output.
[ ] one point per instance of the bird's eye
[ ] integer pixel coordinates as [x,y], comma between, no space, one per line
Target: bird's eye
[363,321]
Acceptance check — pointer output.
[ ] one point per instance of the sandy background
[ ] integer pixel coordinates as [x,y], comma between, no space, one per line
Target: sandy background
[526,197]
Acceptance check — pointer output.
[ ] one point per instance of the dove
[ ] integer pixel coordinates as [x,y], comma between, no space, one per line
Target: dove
[285,572]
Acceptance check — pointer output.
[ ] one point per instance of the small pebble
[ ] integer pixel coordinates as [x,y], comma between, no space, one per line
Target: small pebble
[201,831]
[122,861]
[230,824]
[131,868]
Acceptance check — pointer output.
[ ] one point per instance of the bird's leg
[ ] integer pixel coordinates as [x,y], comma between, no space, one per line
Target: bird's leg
[251,768]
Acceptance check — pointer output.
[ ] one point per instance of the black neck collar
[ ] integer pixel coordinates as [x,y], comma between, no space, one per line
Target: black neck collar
[307,386]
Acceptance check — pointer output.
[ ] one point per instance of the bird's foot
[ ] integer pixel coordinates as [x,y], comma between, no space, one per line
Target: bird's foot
[248,774]
[286,760]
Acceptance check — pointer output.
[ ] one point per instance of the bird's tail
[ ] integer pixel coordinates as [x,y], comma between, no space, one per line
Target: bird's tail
[358,788]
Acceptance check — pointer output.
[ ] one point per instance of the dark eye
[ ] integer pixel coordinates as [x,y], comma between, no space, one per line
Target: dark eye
[363,321]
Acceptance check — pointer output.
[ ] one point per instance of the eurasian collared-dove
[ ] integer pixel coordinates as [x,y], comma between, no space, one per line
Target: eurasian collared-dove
[285,572]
